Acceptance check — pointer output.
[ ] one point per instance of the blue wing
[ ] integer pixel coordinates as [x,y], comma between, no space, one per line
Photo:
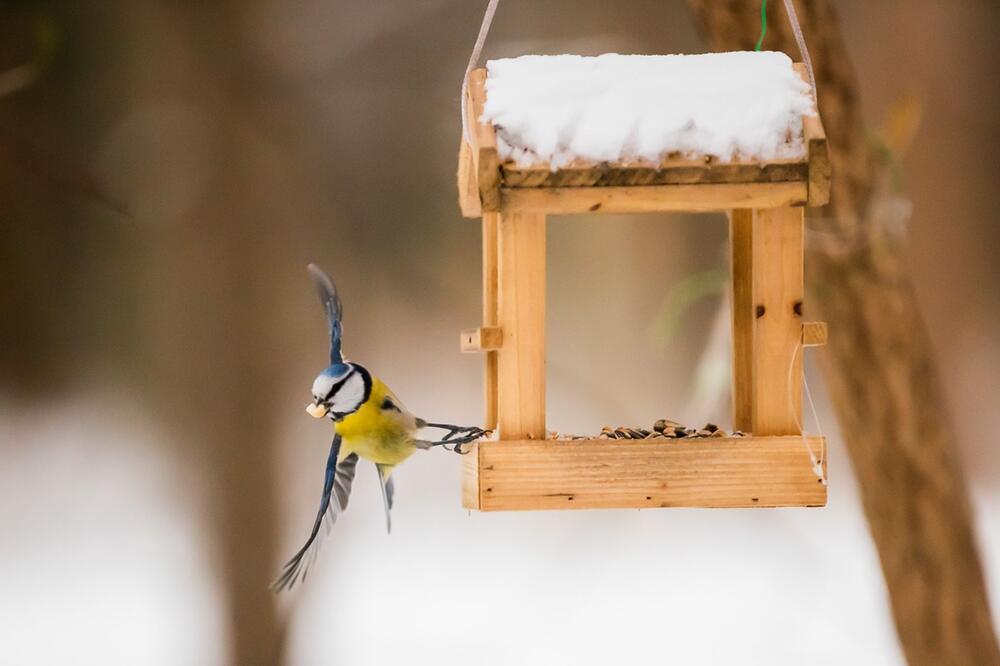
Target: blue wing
[336,486]
[334,310]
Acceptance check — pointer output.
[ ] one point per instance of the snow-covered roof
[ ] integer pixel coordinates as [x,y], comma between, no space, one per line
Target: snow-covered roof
[618,108]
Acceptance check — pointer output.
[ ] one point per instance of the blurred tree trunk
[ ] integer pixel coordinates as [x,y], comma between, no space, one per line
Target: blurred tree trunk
[879,365]
[216,262]
[218,380]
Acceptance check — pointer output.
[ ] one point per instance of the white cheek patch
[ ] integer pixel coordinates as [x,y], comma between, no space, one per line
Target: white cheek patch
[322,385]
[349,396]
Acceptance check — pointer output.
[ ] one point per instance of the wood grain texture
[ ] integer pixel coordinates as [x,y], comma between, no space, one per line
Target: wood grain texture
[609,474]
[491,314]
[879,365]
[742,315]
[777,324]
[673,172]
[484,149]
[468,188]
[814,333]
[484,338]
[652,198]
[470,479]
[817,153]
[820,169]
[521,362]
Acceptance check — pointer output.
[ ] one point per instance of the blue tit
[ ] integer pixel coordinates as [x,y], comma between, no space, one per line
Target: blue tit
[369,422]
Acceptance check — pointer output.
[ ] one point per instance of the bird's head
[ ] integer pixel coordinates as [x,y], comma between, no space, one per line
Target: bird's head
[339,390]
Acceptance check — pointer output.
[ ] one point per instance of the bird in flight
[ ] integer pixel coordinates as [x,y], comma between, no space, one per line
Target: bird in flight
[369,422]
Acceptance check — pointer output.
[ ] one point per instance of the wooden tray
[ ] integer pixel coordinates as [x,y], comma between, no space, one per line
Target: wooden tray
[719,472]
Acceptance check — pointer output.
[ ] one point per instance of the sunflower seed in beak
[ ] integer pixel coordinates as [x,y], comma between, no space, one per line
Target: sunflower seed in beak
[316,411]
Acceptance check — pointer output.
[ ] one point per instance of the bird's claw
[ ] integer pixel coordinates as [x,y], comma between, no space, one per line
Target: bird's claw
[458,436]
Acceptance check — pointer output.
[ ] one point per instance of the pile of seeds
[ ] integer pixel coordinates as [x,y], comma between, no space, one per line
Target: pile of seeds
[662,429]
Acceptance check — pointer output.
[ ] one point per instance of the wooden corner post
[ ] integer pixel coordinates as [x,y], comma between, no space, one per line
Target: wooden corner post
[521,300]
[741,308]
[766,262]
[767,258]
[491,311]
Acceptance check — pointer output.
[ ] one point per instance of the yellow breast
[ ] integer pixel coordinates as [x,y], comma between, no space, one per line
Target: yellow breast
[376,433]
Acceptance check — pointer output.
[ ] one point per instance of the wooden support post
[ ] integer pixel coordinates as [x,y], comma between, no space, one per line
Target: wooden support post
[491,315]
[521,360]
[742,311]
[777,259]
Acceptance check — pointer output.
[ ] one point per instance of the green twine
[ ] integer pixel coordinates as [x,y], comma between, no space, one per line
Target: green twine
[763,24]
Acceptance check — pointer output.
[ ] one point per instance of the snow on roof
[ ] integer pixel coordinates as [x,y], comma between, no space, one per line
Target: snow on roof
[612,108]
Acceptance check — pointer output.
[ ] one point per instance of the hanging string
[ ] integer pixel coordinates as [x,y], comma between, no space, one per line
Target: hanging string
[816,462]
[763,24]
[800,40]
[477,50]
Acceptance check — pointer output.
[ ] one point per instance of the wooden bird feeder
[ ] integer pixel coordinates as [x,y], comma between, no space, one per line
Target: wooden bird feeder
[765,201]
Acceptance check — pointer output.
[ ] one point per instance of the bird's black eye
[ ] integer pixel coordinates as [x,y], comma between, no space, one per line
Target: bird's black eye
[388,404]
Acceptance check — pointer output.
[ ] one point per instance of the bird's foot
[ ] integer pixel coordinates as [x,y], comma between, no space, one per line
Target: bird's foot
[457,436]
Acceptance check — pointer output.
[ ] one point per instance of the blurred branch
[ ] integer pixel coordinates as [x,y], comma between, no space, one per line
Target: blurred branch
[53,170]
[17,78]
[879,365]
[46,38]
[56,173]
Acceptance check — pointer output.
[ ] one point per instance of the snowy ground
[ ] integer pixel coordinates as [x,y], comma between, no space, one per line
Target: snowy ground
[99,551]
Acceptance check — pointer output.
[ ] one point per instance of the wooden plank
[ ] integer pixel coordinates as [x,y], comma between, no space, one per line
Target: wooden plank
[777,327]
[673,171]
[470,479]
[491,313]
[742,315]
[652,198]
[817,153]
[484,338]
[607,474]
[468,188]
[521,367]
[820,168]
[814,334]
[485,155]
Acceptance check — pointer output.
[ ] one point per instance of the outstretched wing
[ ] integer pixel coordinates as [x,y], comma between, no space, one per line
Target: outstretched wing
[333,307]
[336,486]
[388,490]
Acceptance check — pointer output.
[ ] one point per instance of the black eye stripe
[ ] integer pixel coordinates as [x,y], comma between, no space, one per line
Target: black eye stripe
[336,387]
[389,405]
[355,370]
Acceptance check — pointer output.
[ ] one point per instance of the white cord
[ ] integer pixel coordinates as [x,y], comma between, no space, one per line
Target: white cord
[477,50]
[801,41]
[817,463]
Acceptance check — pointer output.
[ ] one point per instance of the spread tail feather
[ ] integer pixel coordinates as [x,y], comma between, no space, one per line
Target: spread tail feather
[388,490]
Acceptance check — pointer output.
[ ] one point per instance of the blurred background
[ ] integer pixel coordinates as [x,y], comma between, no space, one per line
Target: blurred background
[167,170]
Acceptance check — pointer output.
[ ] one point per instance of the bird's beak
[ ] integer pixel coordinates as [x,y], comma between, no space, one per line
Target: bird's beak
[316,411]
